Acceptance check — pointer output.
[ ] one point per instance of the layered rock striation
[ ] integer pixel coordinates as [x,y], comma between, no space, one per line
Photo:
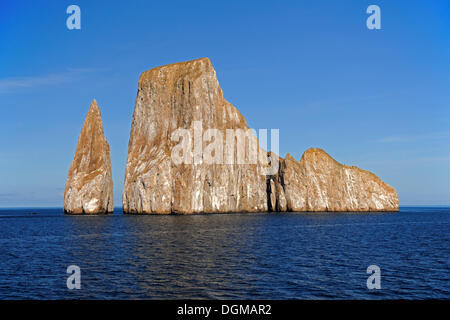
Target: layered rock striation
[186,96]
[89,187]
[176,105]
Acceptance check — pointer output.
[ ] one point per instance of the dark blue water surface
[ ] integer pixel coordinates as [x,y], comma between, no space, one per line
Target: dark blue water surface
[237,256]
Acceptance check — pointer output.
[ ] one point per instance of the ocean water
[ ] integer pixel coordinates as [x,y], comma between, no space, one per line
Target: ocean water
[225,256]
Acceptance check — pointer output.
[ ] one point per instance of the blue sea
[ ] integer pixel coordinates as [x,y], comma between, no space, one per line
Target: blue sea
[225,256]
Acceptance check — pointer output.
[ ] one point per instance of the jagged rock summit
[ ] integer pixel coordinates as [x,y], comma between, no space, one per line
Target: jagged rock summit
[187,96]
[89,187]
[319,183]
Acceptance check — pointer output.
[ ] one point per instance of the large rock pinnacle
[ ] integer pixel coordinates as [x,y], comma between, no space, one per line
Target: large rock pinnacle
[186,96]
[89,187]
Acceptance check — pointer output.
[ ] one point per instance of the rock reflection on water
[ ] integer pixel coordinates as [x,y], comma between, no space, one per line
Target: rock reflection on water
[187,256]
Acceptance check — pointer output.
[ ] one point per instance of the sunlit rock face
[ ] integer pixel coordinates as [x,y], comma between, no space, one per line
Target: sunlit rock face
[320,183]
[183,95]
[89,187]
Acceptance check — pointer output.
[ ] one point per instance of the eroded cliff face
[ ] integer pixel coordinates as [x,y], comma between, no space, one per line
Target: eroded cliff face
[89,187]
[320,183]
[187,95]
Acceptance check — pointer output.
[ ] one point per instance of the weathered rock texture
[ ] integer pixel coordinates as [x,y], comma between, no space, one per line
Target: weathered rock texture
[89,187]
[173,97]
[178,95]
[320,183]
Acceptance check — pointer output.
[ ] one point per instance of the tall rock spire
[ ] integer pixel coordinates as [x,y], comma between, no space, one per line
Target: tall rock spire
[179,96]
[89,187]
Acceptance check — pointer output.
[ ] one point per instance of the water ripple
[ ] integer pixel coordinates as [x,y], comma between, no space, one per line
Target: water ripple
[233,256]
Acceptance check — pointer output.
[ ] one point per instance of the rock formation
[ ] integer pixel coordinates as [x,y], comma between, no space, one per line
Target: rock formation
[320,183]
[183,95]
[187,96]
[89,187]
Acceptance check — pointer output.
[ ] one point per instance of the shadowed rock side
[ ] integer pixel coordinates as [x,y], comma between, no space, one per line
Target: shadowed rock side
[320,183]
[89,187]
[181,94]
[172,97]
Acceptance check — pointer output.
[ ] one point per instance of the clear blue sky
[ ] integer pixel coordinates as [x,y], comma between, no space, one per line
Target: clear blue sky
[378,99]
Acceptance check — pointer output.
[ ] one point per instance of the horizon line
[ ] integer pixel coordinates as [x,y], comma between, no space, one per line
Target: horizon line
[121,208]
